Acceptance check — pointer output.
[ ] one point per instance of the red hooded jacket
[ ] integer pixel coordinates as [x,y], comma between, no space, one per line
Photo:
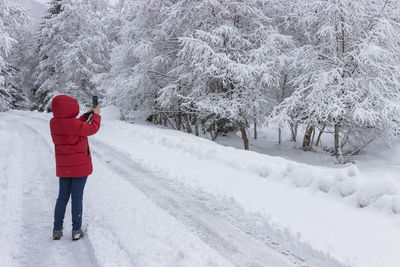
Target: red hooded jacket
[69,136]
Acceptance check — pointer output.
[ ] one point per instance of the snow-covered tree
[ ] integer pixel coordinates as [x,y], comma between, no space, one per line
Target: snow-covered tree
[230,66]
[223,65]
[214,61]
[23,59]
[348,68]
[141,60]
[72,49]
[12,21]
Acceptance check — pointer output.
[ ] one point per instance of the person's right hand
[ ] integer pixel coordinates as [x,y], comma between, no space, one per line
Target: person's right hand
[96,109]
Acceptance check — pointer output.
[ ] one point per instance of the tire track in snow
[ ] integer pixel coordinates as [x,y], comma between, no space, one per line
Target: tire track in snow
[235,245]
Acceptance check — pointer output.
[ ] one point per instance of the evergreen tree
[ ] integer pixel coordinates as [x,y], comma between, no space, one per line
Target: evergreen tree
[140,61]
[12,20]
[72,49]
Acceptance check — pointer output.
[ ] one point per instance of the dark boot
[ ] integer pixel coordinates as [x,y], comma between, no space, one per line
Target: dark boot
[57,234]
[77,234]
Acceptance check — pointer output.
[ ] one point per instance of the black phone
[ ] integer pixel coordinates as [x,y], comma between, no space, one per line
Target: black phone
[95,101]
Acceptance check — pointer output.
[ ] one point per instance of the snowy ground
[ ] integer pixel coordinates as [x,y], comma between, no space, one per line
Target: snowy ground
[159,197]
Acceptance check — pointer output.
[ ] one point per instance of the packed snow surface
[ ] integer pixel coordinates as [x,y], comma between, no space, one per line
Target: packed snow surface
[160,197]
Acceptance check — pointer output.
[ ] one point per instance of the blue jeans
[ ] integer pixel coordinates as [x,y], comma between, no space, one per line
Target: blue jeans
[69,187]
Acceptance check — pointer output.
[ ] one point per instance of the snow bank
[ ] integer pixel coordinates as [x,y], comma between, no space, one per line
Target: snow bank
[345,183]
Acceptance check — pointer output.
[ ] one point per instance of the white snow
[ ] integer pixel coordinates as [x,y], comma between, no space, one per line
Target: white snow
[10,203]
[135,209]
[146,234]
[34,10]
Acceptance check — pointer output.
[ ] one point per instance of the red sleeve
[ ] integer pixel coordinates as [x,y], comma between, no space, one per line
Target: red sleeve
[82,118]
[87,129]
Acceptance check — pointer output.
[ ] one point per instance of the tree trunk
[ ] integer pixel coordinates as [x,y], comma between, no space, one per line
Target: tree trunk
[293,131]
[319,135]
[213,131]
[244,136]
[345,139]
[188,126]
[307,137]
[160,119]
[279,135]
[312,138]
[179,121]
[336,140]
[165,120]
[255,128]
[196,125]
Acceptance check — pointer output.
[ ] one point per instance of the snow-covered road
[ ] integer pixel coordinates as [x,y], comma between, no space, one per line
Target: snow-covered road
[28,189]
[154,199]
[132,217]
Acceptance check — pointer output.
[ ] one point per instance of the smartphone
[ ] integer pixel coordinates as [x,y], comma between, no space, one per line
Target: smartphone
[95,101]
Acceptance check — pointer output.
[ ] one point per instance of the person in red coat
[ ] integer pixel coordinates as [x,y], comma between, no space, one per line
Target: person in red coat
[73,158]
